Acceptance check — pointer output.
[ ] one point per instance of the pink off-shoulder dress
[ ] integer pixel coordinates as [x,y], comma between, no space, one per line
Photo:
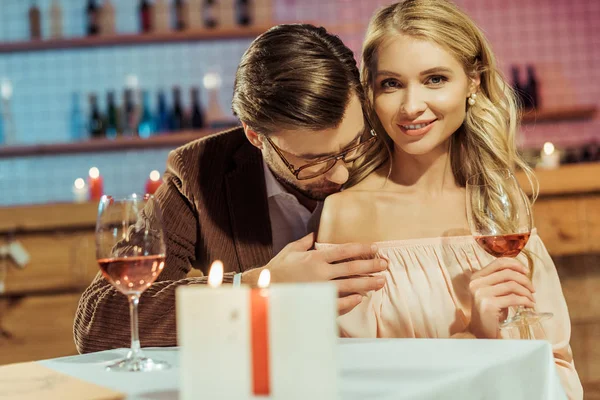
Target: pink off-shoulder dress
[427,296]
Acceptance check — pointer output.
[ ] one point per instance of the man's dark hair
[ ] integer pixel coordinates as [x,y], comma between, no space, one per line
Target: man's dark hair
[295,76]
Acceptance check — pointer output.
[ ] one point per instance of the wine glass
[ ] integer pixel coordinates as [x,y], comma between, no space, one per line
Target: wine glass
[500,220]
[130,249]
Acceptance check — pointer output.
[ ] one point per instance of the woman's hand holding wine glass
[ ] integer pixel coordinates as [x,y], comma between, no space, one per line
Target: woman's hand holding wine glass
[501,222]
[501,284]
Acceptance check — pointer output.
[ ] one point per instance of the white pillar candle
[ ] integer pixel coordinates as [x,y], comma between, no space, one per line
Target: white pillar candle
[549,157]
[241,343]
[80,191]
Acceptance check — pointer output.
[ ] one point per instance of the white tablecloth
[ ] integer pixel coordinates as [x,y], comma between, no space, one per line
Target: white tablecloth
[382,369]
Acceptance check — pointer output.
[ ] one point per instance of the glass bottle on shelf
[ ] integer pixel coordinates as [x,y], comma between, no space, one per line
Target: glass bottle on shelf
[146,14]
[92,18]
[197,118]
[55,19]
[96,125]
[35,23]
[518,87]
[209,13]
[77,130]
[532,87]
[107,20]
[160,16]
[130,114]
[10,129]
[177,118]
[242,9]
[113,128]
[180,15]
[2,139]
[162,114]
[146,128]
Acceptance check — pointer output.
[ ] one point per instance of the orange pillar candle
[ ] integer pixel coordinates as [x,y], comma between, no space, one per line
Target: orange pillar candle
[153,182]
[259,336]
[95,184]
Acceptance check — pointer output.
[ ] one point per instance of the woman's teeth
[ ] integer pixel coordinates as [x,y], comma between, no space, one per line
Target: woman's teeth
[413,127]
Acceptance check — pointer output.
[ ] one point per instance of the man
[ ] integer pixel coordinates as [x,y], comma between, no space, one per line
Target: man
[243,195]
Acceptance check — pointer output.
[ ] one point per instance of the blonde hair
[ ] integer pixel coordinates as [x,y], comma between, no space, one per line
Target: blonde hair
[486,141]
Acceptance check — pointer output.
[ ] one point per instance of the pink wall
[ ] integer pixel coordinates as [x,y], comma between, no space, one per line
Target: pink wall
[560,38]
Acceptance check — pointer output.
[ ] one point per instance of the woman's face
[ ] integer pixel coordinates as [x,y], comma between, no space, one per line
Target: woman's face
[420,93]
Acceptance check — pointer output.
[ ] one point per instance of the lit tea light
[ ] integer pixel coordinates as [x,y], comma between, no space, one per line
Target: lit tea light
[550,157]
[80,191]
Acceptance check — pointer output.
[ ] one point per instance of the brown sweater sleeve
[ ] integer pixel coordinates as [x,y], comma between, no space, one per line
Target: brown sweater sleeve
[102,318]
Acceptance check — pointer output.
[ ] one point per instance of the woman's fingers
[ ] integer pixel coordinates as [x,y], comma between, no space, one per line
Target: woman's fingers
[505,275]
[498,265]
[506,288]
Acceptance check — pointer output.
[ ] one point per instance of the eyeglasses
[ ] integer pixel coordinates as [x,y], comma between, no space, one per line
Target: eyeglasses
[322,166]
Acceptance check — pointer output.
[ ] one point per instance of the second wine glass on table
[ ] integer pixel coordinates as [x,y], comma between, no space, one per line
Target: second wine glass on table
[500,219]
[130,249]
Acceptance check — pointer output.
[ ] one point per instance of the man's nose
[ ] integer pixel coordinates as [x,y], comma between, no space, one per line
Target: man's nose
[339,174]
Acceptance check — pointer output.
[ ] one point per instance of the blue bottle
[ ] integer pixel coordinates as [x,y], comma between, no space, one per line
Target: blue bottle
[146,127]
[77,130]
[162,114]
[2,140]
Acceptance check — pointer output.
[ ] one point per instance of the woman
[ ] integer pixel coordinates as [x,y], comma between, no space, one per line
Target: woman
[434,88]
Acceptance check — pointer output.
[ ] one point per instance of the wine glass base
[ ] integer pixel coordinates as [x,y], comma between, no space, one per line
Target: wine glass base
[143,364]
[525,318]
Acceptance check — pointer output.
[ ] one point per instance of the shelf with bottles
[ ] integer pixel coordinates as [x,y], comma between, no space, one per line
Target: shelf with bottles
[133,124]
[159,22]
[134,39]
[557,114]
[159,140]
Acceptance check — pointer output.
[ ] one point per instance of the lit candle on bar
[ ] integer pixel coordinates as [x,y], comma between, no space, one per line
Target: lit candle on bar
[153,182]
[95,183]
[80,192]
[550,157]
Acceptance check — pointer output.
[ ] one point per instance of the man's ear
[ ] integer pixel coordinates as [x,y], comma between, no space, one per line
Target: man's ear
[252,136]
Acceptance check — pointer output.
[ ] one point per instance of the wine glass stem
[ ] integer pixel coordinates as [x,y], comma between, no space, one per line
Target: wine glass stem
[136,351]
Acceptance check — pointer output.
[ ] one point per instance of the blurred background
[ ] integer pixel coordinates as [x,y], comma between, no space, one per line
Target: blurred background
[94,94]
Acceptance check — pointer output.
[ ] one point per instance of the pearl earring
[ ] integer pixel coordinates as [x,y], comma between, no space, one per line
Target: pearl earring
[472,98]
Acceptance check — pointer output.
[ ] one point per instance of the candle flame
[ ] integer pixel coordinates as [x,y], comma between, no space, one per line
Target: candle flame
[155,175]
[94,172]
[264,279]
[79,183]
[548,148]
[215,276]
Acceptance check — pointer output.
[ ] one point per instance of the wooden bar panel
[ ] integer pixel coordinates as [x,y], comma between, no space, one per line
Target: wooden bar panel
[575,178]
[48,217]
[561,225]
[592,211]
[59,262]
[37,327]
